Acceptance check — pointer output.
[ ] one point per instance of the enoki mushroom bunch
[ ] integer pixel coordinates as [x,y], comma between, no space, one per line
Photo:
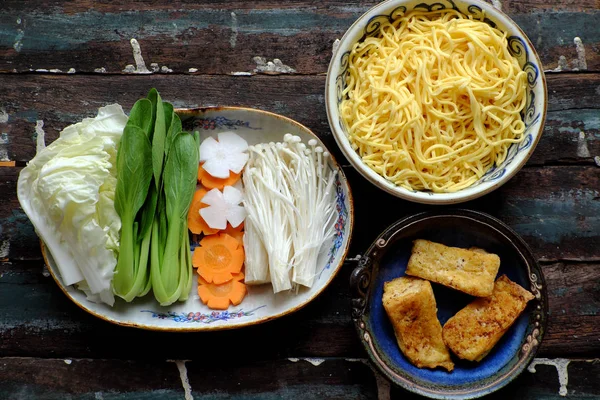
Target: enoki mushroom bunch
[290,200]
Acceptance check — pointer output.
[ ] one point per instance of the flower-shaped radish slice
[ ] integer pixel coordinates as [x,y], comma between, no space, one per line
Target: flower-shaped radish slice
[226,154]
[223,207]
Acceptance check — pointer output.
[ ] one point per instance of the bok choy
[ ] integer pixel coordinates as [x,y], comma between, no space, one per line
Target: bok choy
[157,166]
[171,269]
[134,166]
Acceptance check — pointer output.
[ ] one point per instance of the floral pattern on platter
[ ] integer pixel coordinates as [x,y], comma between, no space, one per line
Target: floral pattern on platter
[220,123]
[204,318]
[517,48]
[340,224]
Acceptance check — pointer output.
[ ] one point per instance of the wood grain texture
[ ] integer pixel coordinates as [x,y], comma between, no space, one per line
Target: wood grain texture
[62,100]
[574,289]
[77,6]
[554,203]
[330,378]
[27,378]
[86,35]
[17,236]
[39,321]
[543,384]
[555,209]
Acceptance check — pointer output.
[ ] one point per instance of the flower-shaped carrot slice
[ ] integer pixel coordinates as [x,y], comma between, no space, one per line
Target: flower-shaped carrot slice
[210,182]
[218,297]
[196,223]
[218,258]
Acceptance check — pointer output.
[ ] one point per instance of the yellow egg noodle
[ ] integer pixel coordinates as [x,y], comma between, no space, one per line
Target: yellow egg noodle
[433,100]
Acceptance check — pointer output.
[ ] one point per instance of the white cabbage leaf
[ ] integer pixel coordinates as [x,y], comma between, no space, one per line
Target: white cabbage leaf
[67,191]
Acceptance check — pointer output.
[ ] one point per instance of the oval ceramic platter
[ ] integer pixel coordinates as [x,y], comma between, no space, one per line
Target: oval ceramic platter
[387,259]
[260,304]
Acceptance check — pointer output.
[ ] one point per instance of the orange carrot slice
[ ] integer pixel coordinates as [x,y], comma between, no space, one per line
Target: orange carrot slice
[218,258]
[196,223]
[210,182]
[237,232]
[218,297]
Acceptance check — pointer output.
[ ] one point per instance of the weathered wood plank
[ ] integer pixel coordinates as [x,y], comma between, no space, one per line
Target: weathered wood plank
[542,384]
[86,36]
[555,209]
[25,378]
[573,91]
[70,7]
[17,236]
[536,6]
[284,379]
[62,100]
[331,378]
[570,136]
[574,289]
[39,321]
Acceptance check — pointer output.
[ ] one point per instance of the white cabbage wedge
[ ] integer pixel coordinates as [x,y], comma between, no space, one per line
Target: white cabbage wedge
[67,191]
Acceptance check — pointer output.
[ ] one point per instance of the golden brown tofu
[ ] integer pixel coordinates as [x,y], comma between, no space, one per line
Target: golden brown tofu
[478,250]
[471,271]
[476,329]
[411,308]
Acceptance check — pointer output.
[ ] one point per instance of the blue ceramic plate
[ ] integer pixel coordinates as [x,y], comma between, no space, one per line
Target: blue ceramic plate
[387,258]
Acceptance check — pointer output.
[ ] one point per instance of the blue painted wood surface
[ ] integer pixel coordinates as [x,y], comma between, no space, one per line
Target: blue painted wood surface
[62,59]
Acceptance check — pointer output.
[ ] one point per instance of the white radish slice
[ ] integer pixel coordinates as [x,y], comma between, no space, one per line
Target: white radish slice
[208,149]
[233,141]
[217,168]
[236,215]
[213,198]
[232,196]
[237,161]
[214,217]
[226,154]
[223,206]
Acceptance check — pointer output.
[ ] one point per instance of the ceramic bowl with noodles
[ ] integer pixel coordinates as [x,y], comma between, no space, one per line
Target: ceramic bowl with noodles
[488,91]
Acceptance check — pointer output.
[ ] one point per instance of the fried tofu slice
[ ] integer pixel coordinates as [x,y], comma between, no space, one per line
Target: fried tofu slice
[473,331]
[471,271]
[412,310]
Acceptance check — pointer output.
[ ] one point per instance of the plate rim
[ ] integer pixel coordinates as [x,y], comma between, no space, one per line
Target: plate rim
[361,286]
[204,328]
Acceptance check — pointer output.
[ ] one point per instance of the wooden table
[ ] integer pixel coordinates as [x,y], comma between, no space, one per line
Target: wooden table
[62,59]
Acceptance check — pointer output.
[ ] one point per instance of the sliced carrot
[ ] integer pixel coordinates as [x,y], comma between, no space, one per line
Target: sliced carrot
[210,182]
[218,297]
[196,223]
[218,258]
[237,233]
